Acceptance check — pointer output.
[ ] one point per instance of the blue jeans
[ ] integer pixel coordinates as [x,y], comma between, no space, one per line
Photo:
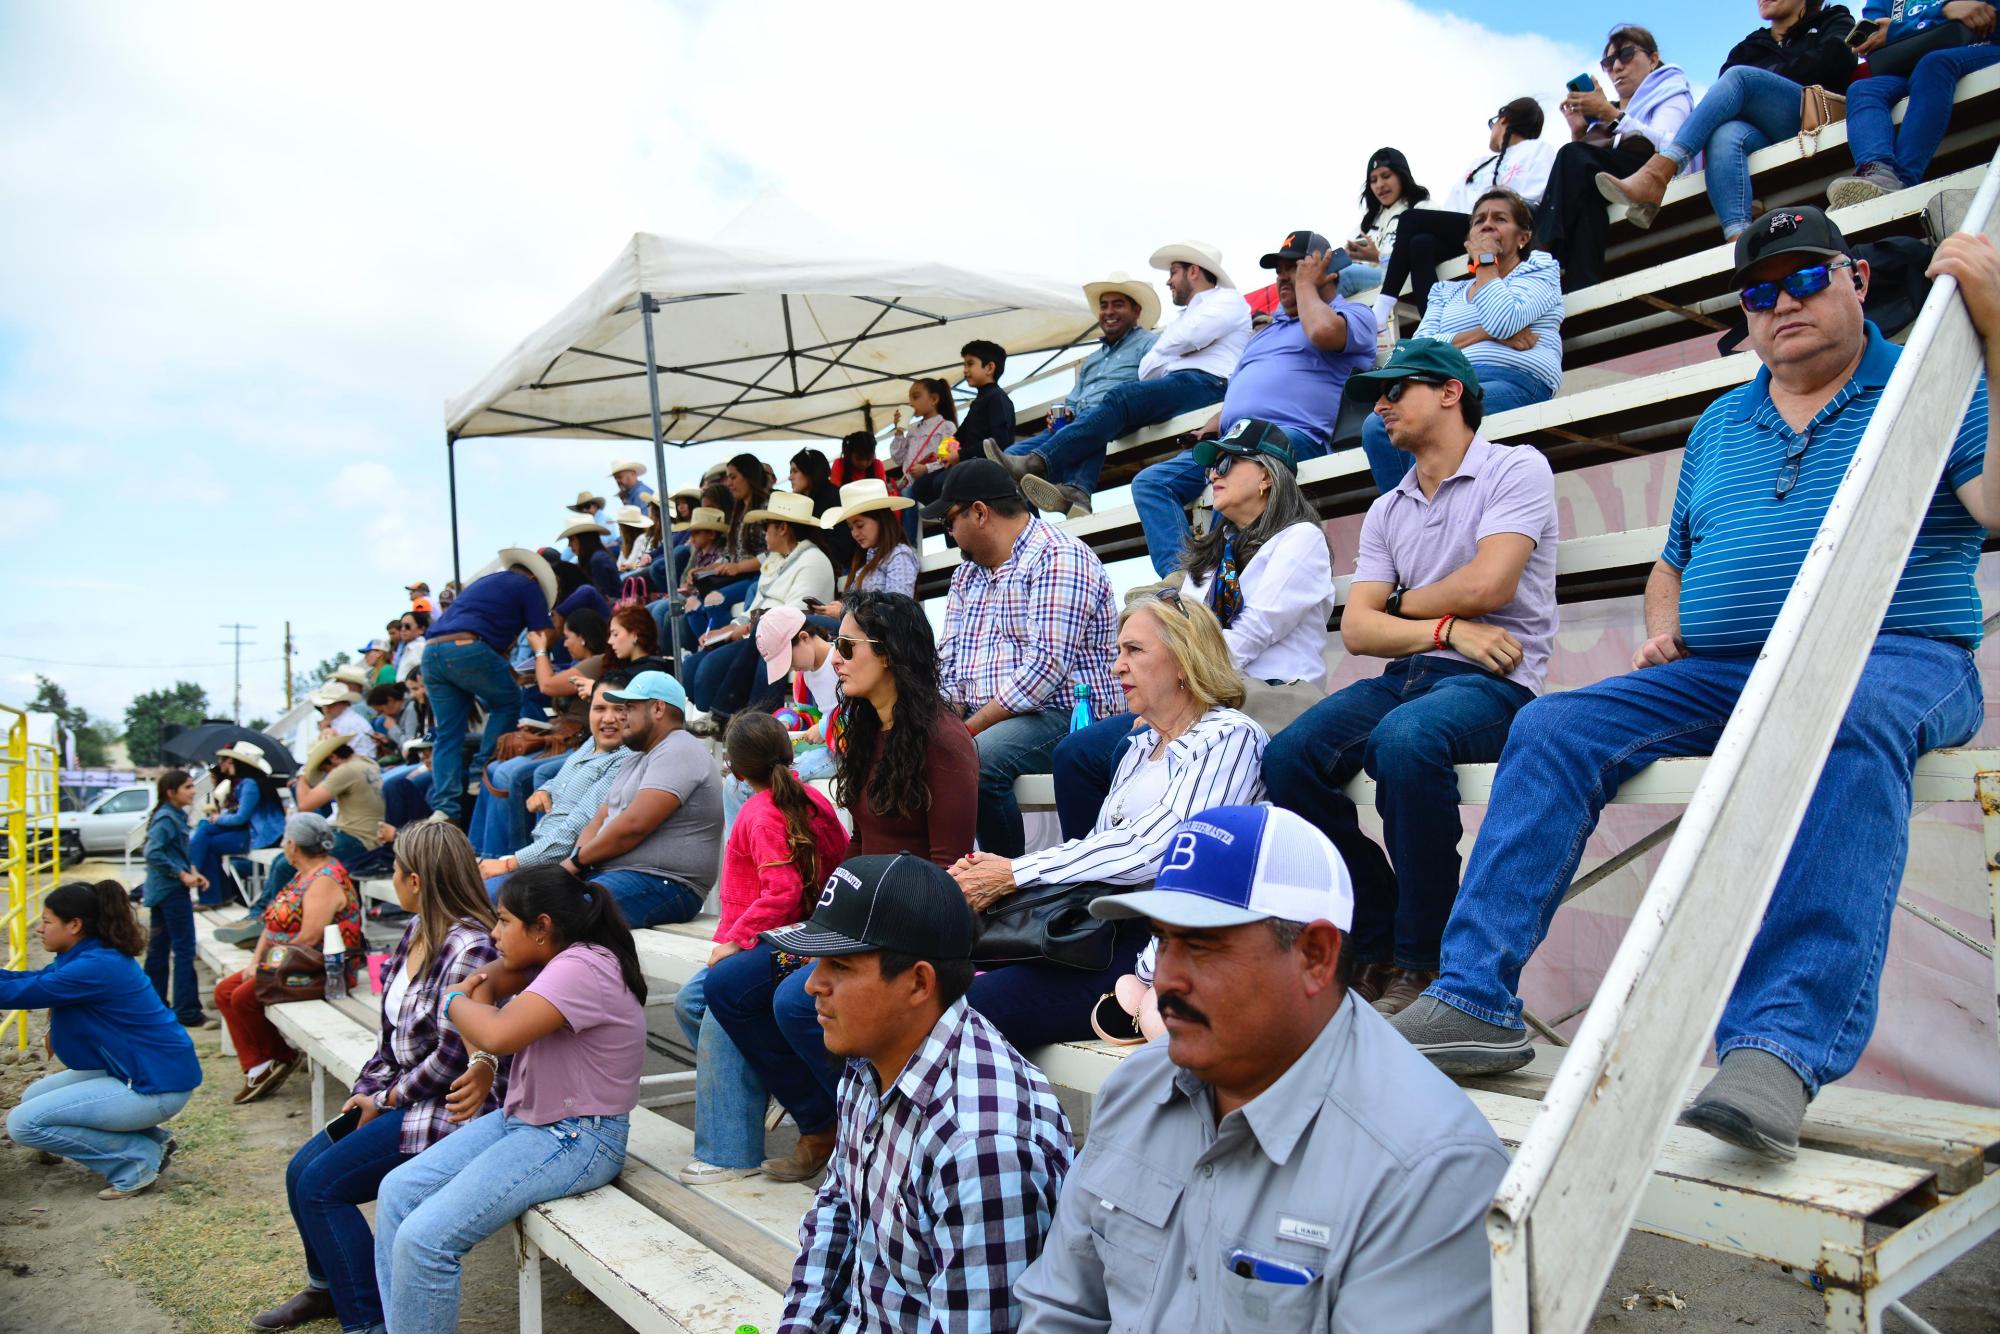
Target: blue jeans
[96,1120]
[1407,728]
[1359,277]
[720,679]
[1074,454]
[326,1184]
[457,674]
[1034,1004]
[406,797]
[1504,387]
[1807,992]
[761,1013]
[1024,744]
[705,618]
[1083,766]
[501,825]
[469,1185]
[172,935]
[207,846]
[1163,492]
[1874,138]
[1744,110]
[729,1099]
[647,899]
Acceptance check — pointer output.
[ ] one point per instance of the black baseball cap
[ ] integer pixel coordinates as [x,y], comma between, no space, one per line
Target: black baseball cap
[1296,246]
[1796,229]
[969,480]
[903,903]
[1248,437]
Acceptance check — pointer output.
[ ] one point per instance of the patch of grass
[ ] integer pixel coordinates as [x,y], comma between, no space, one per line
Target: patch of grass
[209,1263]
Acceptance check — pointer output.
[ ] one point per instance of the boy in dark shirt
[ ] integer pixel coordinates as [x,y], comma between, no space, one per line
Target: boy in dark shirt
[989,416]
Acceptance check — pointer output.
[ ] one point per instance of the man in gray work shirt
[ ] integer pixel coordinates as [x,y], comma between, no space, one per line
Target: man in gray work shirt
[1284,1160]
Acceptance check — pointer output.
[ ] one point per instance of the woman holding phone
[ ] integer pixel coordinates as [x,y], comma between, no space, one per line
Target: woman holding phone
[419,1086]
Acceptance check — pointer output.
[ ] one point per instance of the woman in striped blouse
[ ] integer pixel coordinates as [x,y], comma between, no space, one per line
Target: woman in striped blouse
[1198,750]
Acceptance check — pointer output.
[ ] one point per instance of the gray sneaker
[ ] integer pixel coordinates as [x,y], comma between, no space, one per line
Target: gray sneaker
[1069,501]
[1459,1044]
[1871,182]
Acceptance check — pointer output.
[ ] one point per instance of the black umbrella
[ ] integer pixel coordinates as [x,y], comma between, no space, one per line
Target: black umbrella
[198,745]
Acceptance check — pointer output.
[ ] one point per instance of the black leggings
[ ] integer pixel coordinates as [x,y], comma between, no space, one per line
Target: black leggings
[1425,238]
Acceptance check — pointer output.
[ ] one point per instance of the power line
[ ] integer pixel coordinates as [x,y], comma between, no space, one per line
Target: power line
[132,666]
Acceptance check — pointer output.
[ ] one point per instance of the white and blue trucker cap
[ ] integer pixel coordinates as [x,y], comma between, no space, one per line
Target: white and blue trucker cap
[1232,865]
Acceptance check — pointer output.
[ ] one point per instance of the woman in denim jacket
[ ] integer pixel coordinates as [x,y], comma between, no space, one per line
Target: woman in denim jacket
[171,883]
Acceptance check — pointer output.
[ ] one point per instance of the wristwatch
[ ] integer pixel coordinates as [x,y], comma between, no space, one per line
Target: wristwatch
[1395,604]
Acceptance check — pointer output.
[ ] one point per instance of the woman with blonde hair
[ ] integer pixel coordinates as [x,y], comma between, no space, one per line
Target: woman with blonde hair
[419,1086]
[1197,749]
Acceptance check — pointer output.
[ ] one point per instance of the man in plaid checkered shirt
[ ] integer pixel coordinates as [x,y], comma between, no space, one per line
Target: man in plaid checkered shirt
[952,1147]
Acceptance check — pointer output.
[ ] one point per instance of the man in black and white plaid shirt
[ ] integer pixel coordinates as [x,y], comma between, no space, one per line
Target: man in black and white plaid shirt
[952,1147]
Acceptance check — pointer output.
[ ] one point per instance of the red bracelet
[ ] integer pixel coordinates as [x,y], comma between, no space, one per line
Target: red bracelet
[1439,631]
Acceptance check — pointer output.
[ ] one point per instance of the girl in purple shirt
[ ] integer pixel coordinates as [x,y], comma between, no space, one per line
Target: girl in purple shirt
[568,1004]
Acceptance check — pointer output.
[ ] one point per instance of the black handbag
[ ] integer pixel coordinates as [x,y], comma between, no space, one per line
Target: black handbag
[1898,58]
[1047,925]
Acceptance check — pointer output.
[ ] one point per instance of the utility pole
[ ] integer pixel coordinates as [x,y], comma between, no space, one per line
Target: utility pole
[288,666]
[237,642]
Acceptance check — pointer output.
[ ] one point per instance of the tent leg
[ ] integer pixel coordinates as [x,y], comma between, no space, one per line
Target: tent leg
[451,471]
[646,308]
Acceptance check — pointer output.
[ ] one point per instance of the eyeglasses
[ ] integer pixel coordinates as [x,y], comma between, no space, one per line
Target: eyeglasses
[1807,282]
[844,645]
[1491,121]
[1395,389]
[1788,471]
[1624,55]
[1171,597]
[952,516]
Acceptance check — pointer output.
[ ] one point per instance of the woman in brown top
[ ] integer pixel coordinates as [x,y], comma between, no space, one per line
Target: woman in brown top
[908,772]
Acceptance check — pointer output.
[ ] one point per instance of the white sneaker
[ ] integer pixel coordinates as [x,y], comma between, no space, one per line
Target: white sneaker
[699,1173]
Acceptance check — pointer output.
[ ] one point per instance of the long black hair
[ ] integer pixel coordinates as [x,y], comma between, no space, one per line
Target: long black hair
[1413,194]
[105,909]
[947,406]
[902,635]
[579,913]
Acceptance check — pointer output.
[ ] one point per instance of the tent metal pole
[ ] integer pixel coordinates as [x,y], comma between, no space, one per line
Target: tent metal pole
[451,471]
[646,308]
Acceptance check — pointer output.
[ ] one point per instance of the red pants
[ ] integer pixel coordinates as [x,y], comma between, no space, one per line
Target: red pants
[257,1039]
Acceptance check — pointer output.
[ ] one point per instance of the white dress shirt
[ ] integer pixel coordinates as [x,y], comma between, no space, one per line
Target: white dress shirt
[1280,635]
[1208,335]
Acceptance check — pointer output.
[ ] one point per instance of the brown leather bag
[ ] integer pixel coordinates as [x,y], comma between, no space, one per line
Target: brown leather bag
[290,972]
[1818,109]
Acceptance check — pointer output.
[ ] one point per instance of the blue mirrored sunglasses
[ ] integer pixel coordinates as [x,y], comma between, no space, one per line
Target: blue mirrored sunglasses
[1804,283]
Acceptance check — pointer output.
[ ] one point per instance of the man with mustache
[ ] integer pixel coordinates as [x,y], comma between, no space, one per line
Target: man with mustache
[1283,1161]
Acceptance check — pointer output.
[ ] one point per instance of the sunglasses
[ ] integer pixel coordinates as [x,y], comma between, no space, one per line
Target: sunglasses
[1395,389]
[1624,55]
[844,645]
[1807,282]
[1224,462]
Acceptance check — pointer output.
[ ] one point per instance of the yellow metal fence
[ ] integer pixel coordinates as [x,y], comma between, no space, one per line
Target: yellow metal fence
[34,854]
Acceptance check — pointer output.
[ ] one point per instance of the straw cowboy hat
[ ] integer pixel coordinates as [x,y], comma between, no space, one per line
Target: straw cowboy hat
[353,674]
[704,520]
[532,562]
[334,692]
[861,497]
[578,527]
[584,500]
[321,750]
[245,753]
[1138,290]
[691,492]
[628,465]
[631,516]
[1193,252]
[785,507]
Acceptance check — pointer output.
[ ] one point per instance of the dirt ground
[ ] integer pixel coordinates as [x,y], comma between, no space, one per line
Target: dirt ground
[213,1243]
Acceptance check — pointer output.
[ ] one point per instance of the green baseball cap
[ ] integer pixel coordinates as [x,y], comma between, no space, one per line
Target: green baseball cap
[1426,360]
[1248,437]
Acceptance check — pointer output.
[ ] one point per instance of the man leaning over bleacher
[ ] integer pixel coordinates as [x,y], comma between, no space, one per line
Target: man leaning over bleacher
[1760,469]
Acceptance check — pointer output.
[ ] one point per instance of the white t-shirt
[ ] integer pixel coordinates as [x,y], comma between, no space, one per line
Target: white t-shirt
[392,1002]
[823,685]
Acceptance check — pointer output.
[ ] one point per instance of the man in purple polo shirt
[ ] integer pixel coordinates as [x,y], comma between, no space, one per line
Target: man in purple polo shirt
[1456,585]
[1291,374]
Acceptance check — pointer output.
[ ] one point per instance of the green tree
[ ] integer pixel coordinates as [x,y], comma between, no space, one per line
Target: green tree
[258,724]
[93,739]
[149,715]
[304,683]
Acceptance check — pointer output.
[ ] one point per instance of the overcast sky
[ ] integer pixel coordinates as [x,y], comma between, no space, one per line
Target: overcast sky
[246,252]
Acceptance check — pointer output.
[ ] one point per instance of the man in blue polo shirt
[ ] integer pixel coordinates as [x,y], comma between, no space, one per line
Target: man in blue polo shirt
[465,658]
[1761,467]
[1291,375]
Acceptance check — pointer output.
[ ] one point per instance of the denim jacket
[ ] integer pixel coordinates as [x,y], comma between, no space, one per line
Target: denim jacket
[166,853]
[258,807]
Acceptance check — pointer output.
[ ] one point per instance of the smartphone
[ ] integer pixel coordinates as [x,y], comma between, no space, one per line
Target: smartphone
[1862,31]
[814,602]
[1250,1265]
[337,1129]
[1582,83]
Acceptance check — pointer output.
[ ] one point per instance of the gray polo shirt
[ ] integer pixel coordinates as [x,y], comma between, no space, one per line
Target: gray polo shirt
[1361,1164]
[687,845]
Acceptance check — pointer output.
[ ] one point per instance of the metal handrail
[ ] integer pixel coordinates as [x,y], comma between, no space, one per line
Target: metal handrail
[1577,1176]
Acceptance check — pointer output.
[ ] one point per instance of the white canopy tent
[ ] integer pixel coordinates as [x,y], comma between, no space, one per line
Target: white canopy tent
[685,342]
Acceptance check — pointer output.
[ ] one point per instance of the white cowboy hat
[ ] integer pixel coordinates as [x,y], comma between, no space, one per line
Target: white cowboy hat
[691,492]
[1193,252]
[584,500]
[578,527]
[532,562]
[352,673]
[631,516]
[1139,290]
[704,520]
[245,753]
[861,497]
[321,749]
[785,507]
[628,465]
[334,692]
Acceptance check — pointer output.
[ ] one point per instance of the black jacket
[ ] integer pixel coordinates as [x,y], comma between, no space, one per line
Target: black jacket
[989,416]
[1816,52]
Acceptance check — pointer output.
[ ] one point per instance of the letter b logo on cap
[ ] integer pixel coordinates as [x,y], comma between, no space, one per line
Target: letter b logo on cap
[1180,853]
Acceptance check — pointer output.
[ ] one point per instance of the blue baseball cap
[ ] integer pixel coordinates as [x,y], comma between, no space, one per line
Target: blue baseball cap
[648,686]
[1233,865]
